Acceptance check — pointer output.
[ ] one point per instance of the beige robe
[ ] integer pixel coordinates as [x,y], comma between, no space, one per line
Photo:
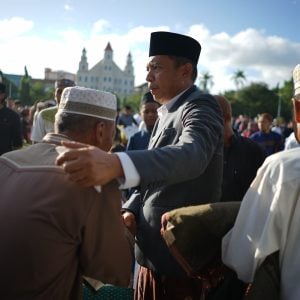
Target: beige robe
[52,231]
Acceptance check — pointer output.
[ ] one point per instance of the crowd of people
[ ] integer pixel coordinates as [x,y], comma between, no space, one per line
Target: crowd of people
[272,134]
[84,200]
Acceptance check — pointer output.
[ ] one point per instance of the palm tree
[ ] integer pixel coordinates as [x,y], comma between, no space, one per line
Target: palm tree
[205,82]
[239,78]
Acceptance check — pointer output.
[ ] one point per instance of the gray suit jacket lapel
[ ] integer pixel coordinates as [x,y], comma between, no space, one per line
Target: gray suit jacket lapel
[156,133]
[158,130]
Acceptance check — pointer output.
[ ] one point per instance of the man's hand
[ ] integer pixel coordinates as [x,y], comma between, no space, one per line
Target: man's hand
[129,221]
[164,221]
[88,165]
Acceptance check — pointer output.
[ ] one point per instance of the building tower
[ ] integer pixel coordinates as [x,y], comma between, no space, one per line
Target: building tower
[129,66]
[83,64]
[106,75]
[108,52]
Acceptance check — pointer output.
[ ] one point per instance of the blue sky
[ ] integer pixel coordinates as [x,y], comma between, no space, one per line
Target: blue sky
[260,37]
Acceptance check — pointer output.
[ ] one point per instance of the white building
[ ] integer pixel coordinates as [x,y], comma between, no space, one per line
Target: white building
[56,75]
[106,75]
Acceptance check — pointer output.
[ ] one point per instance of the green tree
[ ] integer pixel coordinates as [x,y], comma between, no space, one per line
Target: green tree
[206,82]
[25,89]
[239,79]
[284,95]
[12,90]
[38,92]
[255,99]
[132,100]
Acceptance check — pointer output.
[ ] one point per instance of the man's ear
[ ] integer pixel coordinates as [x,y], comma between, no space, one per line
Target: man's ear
[99,129]
[296,118]
[187,70]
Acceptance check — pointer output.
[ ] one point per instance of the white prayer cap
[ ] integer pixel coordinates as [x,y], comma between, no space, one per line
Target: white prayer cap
[296,78]
[88,102]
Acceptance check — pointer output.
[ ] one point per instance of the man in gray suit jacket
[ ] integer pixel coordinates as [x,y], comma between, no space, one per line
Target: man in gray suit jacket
[182,167]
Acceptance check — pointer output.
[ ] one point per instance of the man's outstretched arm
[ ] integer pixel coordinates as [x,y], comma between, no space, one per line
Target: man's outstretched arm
[88,165]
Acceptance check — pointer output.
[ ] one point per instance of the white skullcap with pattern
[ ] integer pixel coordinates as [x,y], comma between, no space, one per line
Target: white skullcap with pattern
[89,102]
[296,78]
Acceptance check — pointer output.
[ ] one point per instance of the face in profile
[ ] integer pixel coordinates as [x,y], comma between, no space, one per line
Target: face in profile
[296,116]
[164,78]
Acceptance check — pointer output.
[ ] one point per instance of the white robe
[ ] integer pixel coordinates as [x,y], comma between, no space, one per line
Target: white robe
[269,220]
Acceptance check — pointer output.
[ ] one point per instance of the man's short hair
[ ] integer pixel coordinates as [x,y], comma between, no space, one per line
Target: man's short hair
[63,83]
[180,61]
[266,116]
[77,124]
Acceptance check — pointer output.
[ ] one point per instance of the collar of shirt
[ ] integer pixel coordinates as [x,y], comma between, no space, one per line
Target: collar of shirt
[163,110]
[56,139]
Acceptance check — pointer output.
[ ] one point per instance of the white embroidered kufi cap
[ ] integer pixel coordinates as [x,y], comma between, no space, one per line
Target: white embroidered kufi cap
[89,102]
[296,78]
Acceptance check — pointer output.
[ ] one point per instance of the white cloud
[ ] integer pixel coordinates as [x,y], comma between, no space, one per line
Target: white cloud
[270,58]
[14,27]
[100,26]
[68,7]
[262,58]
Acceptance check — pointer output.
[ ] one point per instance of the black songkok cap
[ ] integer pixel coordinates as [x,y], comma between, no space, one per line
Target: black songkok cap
[2,87]
[63,83]
[169,43]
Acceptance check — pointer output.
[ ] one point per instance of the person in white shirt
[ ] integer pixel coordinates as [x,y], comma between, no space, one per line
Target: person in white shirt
[291,142]
[269,217]
[44,122]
